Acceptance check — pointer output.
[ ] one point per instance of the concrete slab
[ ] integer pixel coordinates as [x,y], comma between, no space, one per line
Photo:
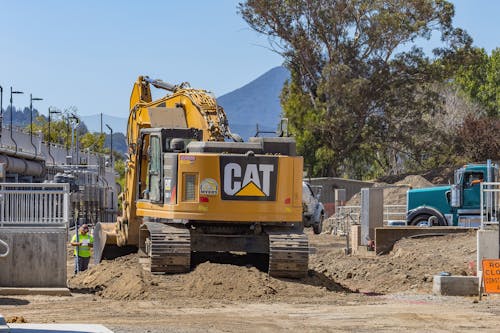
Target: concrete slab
[35,291]
[386,237]
[455,285]
[37,256]
[487,246]
[3,325]
[57,328]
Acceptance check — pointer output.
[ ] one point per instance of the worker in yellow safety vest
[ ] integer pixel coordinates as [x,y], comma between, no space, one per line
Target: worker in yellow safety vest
[82,242]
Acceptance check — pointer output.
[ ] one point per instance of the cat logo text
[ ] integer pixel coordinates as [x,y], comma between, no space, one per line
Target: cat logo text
[248,178]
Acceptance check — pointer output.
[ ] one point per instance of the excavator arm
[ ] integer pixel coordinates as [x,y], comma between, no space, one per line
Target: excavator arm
[181,107]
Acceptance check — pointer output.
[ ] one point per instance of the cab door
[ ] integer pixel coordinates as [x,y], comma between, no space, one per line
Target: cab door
[472,189]
[154,169]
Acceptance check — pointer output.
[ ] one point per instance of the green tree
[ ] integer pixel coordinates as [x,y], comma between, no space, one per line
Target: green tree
[361,90]
[480,79]
[93,141]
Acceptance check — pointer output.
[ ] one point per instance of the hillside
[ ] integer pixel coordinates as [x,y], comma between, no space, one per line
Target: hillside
[257,102]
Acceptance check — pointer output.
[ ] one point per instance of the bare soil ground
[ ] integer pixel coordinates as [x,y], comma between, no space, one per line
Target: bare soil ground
[233,294]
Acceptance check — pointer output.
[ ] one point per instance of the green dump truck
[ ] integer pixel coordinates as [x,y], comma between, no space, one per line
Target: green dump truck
[458,204]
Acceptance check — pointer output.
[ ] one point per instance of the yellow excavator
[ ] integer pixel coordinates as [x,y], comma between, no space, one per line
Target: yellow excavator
[188,190]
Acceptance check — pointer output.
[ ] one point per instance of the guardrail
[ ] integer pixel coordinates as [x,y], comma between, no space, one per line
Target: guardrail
[34,203]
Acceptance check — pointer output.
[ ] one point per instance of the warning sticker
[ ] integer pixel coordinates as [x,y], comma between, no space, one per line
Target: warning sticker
[209,186]
[491,275]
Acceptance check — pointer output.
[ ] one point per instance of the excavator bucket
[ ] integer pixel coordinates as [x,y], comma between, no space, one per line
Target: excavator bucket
[104,234]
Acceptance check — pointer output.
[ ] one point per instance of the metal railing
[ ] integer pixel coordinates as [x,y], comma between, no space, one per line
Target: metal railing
[490,201]
[394,212]
[345,216]
[34,203]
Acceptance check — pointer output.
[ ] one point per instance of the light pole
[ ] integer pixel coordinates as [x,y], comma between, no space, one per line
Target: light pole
[10,126]
[1,110]
[111,144]
[31,120]
[74,141]
[48,141]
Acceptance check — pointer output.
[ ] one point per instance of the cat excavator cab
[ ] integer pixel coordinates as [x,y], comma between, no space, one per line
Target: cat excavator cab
[188,190]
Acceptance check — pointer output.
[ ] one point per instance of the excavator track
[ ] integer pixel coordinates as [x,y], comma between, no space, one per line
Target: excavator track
[167,247]
[288,255]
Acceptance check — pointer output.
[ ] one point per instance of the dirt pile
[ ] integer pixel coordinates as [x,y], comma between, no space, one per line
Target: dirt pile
[395,194]
[121,279]
[409,267]
[125,279]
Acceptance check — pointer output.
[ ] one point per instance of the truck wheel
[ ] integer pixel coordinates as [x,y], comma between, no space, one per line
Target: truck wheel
[423,219]
[318,227]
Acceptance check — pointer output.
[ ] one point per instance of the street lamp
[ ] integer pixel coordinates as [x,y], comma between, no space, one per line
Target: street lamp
[31,120]
[48,141]
[10,126]
[111,144]
[1,110]
[74,141]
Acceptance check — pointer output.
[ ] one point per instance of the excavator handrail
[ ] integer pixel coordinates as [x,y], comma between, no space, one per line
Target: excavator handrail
[4,244]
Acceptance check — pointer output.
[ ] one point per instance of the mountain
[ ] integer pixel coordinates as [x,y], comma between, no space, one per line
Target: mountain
[257,102]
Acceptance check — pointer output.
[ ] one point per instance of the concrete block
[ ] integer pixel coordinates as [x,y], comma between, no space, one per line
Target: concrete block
[59,328]
[372,212]
[37,257]
[35,291]
[355,236]
[487,246]
[455,285]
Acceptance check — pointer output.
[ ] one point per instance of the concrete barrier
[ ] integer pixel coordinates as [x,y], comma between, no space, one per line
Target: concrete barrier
[37,257]
[386,237]
[455,285]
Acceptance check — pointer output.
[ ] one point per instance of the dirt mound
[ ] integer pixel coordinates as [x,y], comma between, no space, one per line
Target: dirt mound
[122,278]
[410,266]
[395,194]
[443,175]
[125,279]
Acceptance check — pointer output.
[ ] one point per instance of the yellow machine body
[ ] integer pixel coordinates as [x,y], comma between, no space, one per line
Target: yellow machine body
[184,185]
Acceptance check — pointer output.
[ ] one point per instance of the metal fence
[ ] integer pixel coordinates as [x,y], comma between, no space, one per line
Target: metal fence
[34,203]
[345,216]
[490,200]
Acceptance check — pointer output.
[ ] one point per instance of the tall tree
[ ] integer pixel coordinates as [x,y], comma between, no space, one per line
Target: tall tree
[360,89]
[480,79]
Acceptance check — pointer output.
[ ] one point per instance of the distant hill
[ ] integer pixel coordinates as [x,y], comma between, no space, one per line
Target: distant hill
[257,102]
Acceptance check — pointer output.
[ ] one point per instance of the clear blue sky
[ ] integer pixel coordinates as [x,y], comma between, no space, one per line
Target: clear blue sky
[88,53]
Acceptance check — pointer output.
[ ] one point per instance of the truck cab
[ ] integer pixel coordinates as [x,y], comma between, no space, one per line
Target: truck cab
[458,204]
